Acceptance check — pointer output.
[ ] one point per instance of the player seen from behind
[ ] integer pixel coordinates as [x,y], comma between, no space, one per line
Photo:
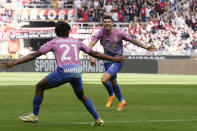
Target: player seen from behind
[69,69]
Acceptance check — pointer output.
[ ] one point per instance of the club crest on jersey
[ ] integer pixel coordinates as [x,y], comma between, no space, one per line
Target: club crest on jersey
[96,35]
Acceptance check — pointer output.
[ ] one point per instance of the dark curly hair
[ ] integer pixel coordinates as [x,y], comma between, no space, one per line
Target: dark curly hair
[62,29]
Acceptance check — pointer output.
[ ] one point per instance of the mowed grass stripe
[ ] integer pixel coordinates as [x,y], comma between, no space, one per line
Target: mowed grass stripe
[88,123]
[94,78]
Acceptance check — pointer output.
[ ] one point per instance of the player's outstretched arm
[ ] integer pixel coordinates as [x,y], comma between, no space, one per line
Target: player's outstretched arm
[102,56]
[27,58]
[137,43]
[92,59]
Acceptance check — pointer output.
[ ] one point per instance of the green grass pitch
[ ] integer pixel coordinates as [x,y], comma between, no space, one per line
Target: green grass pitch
[155,103]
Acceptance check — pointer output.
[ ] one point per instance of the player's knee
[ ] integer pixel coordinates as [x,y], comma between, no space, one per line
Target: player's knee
[114,84]
[104,81]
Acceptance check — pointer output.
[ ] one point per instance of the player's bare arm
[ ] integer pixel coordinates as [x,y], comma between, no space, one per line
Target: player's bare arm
[102,56]
[92,59]
[27,58]
[137,43]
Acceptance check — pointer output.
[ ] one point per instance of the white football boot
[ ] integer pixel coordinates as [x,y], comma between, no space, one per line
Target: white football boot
[29,118]
[98,122]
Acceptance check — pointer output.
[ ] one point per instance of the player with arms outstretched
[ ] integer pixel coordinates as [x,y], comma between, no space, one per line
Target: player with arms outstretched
[69,69]
[111,40]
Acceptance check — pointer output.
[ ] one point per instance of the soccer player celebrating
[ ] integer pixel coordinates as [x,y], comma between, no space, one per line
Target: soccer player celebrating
[69,69]
[111,40]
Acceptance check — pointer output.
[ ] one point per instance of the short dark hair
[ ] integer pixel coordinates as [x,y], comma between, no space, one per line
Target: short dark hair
[62,29]
[107,17]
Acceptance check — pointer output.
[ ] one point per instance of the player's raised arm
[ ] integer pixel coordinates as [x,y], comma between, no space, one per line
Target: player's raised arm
[92,59]
[138,43]
[27,58]
[102,56]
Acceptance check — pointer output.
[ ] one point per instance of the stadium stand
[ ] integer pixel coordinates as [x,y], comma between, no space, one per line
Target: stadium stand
[170,25]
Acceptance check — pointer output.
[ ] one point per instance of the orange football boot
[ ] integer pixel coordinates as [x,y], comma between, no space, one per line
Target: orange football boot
[110,100]
[121,105]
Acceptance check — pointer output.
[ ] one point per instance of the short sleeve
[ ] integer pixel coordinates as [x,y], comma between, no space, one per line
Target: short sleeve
[84,48]
[97,35]
[125,36]
[46,47]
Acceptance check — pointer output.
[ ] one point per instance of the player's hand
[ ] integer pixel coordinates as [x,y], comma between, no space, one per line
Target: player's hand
[8,64]
[125,58]
[117,58]
[92,61]
[151,48]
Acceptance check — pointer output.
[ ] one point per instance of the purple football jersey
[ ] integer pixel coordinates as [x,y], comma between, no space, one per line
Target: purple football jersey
[112,43]
[66,50]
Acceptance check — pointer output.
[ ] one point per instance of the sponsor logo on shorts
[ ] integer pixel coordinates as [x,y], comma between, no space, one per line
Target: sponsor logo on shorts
[73,70]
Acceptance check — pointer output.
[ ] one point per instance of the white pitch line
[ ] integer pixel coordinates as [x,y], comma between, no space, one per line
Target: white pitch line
[153,121]
[17,84]
[87,123]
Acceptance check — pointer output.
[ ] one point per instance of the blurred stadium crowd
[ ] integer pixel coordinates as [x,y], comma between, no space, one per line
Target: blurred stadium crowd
[170,25]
